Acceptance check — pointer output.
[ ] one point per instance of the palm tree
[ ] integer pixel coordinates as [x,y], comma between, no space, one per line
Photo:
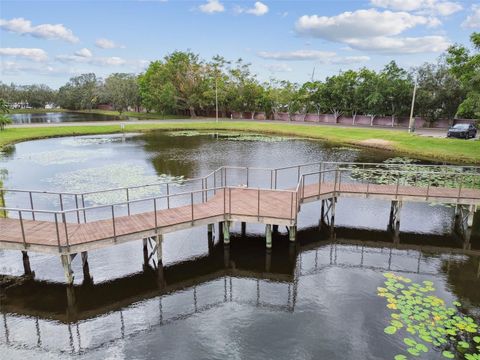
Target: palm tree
[4,106]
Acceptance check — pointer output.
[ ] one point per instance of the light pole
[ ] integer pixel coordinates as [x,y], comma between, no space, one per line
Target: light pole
[411,124]
[216,98]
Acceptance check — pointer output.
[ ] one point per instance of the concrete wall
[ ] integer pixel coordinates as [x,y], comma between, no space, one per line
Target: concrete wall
[360,120]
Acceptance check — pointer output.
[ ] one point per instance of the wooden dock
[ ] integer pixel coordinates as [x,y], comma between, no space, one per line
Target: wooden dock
[211,199]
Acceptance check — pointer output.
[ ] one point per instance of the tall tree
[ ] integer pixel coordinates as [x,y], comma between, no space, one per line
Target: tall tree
[121,90]
[465,66]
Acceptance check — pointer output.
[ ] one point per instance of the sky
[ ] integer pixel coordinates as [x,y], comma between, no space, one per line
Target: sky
[50,41]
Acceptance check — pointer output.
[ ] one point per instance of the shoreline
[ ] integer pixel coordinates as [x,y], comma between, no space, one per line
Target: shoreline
[397,142]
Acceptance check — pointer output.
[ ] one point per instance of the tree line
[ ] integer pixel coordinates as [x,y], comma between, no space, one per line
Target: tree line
[183,83]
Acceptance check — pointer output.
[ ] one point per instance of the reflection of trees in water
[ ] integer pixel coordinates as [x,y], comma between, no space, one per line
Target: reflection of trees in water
[463,278]
[159,145]
[7,152]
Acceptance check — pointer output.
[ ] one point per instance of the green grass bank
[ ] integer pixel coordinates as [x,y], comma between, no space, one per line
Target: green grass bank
[397,142]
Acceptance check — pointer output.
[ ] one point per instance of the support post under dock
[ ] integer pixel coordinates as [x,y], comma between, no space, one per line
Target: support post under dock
[226,232]
[87,279]
[268,235]
[292,233]
[244,228]
[67,268]
[159,243]
[26,263]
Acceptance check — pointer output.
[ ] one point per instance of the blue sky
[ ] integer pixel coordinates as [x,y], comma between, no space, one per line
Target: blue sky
[50,41]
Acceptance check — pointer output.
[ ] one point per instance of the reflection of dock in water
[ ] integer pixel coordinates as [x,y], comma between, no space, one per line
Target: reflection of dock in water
[140,302]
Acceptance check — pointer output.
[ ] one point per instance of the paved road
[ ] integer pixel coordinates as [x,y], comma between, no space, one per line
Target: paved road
[437,133]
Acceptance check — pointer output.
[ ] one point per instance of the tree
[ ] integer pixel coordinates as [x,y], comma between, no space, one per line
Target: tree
[397,87]
[176,83]
[4,106]
[80,92]
[465,66]
[439,93]
[121,90]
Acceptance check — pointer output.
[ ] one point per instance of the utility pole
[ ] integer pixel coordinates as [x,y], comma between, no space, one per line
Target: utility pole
[411,124]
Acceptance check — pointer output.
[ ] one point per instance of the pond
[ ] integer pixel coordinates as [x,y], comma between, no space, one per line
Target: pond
[58,117]
[316,299]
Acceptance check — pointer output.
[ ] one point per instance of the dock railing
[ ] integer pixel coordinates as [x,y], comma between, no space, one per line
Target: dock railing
[291,185]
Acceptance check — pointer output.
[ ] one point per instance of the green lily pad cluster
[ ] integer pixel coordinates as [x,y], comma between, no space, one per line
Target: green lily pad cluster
[427,322]
[389,172]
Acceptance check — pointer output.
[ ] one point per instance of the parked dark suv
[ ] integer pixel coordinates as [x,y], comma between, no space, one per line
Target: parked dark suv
[462,131]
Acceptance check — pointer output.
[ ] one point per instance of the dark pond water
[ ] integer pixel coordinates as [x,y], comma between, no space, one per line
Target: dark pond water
[58,117]
[316,299]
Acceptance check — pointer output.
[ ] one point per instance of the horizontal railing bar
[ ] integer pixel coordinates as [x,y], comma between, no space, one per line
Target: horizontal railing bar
[239,167]
[173,195]
[32,210]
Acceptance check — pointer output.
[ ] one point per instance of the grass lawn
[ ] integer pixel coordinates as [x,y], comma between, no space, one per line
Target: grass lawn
[398,142]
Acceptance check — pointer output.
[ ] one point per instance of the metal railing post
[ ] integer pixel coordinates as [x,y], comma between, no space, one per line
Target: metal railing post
[271,179]
[303,186]
[276,178]
[291,205]
[247,178]
[168,196]
[66,229]
[340,180]
[128,201]
[61,201]
[398,185]
[22,228]
[76,206]
[31,205]
[58,233]
[459,189]
[191,203]
[298,173]
[83,206]
[155,211]
[113,223]
[428,185]
[258,204]
[215,182]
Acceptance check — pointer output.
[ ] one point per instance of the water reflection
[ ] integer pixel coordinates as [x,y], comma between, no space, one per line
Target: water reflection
[58,117]
[89,316]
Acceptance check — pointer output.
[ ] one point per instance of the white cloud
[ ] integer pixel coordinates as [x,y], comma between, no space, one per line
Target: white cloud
[26,53]
[359,24]
[276,68]
[107,44]
[439,7]
[401,45]
[473,20]
[373,30]
[323,57]
[212,6]
[258,9]
[296,55]
[45,31]
[14,69]
[100,61]
[86,53]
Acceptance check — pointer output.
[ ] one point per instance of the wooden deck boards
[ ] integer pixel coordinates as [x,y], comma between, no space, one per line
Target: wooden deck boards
[239,202]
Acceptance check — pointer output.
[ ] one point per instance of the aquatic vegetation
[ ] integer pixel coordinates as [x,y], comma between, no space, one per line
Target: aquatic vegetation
[426,322]
[232,136]
[386,174]
[95,140]
[56,157]
[112,176]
